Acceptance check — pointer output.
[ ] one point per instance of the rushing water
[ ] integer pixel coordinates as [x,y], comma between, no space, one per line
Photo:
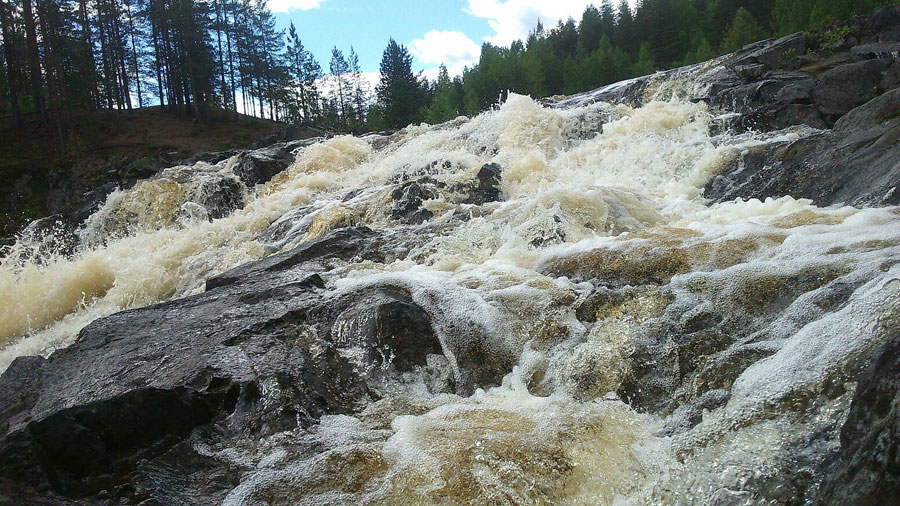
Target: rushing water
[760,314]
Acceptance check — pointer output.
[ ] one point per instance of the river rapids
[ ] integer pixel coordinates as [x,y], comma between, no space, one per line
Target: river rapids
[657,348]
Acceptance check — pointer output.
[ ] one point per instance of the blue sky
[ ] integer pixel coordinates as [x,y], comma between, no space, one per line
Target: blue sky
[435,31]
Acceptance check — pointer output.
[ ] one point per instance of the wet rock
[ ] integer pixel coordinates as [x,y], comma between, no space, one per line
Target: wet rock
[800,79]
[487,187]
[878,50]
[53,235]
[772,53]
[142,168]
[891,77]
[348,243]
[216,156]
[266,349]
[185,476]
[261,165]
[844,87]
[825,167]
[391,330]
[88,447]
[689,415]
[408,200]
[704,341]
[869,472]
[219,196]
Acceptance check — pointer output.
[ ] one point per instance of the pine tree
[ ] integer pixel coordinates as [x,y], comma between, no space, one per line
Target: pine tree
[624,36]
[269,66]
[359,91]
[340,88]
[298,65]
[312,74]
[644,64]
[590,30]
[61,55]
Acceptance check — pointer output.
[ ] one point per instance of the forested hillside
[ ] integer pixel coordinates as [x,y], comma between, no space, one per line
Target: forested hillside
[610,43]
[60,56]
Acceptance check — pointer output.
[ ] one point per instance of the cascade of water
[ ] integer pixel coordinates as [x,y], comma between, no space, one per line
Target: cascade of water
[601,274]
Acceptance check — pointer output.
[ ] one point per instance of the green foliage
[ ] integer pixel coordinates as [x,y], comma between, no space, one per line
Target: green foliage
[304,70]
[833,37]
[703,52]
[790,16]
[400,93]
[611,43]
[785,57]
[742,31]
[447,100]
[644,64]
[188,55]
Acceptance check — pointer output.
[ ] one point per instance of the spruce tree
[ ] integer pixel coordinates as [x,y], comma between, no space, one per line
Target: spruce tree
[445,104]
[400,94]
[743,30]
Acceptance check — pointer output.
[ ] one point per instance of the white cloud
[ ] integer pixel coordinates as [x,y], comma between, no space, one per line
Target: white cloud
[291,5]
[451,48]
[513,19]
[432,74]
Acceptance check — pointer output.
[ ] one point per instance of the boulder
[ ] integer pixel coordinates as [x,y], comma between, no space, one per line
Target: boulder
[219,195]
[409,197]
[261,165]
[391,329]
[487,188]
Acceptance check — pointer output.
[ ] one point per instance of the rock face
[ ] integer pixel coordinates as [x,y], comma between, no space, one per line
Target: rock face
[870,438]
[260,165]
[409,197]
[234,359]
[826,167]
[845,87]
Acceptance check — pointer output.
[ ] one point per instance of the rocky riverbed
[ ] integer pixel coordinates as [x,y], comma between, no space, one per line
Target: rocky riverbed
[681,289]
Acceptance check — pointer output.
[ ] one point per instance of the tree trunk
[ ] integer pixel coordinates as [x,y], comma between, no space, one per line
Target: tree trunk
[9,54]
[154,29]
[88,47]
[137,70]
[221,55]
[34,64]
[230,58]
[121,66]
[104,57]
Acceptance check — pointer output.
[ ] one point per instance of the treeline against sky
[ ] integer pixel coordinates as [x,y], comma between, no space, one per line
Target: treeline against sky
[613,42]
[192,56]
